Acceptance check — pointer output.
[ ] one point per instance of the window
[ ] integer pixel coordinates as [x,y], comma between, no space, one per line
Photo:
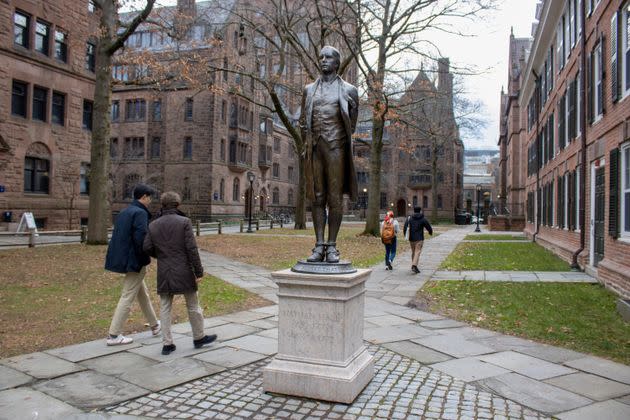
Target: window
[61,46]
[91,6]
[236,190]
[290,173]
[275,196]
[290,197]
[36,175]
[157,111]
[40,103]
[276,145]
[113,148]
[625,190]
[84,186]
[87,114]
[58,108]
[276,170]
[18,98]
[439,201]
[223,110]
[155,148]
[188,145]
[222,150]
[425,201]
[21,22]
[136,109]
[598,85]
[134,148]
[625,48]
[222,190]
[188,110]
[225,71]
[115,110]
[42,37]
[90,58]
[383,200]
[129,184]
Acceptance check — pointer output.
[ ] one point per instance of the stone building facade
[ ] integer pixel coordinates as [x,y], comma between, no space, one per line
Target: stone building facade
[45,114]
[202,142]
[426,134]
[575,111]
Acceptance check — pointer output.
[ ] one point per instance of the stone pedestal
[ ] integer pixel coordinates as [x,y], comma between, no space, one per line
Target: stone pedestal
[321,354]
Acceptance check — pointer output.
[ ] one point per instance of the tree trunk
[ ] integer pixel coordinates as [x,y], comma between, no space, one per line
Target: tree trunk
[372,226]
[434,182]
[99,211]
[300,202]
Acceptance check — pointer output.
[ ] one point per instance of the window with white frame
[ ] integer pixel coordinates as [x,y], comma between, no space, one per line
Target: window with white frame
[577,198]
[565,199]
[598,86]
[625,190]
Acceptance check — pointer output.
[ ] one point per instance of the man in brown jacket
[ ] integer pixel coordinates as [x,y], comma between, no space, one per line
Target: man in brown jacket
[170,239]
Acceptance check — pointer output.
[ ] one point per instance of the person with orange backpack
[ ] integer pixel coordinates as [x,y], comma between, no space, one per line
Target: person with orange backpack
[389,230]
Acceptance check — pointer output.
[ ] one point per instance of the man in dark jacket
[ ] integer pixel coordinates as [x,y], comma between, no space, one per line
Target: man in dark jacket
[416,223]
[125,255]
[171,240]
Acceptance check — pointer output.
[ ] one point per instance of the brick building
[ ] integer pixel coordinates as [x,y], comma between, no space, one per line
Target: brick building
[424,144]
[202,141]
[45,114]
[575,111]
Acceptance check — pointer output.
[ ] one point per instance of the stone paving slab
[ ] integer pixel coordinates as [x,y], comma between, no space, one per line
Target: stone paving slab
[602,367]
[526,365]
[118,363]
[442,324]
[401,389]
[185,328]
[609,410]
[417,352]
[535,394]
[469,369]
[244,316]
[255,343]
[264,324]
[394,333]
[89,350]
[388,320]
[271,310]
[184,348]
[591,386]
[230,357]
[10,378]
[416,315]
[26,403]
[88,390]
[41,365]
[625,400]
[469,333]
[271,333]
[169,374]
[453,345]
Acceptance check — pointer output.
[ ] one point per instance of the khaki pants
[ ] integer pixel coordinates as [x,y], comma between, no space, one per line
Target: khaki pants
[416,248]
[195,316]
[133,287]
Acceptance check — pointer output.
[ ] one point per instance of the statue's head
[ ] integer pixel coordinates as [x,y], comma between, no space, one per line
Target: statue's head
[330,59]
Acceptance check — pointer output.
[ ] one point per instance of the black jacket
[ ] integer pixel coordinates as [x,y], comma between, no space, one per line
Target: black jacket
[124,253]
[171,240]
[416,223]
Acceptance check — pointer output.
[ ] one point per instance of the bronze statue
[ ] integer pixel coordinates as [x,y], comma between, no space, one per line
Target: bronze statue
[329,116]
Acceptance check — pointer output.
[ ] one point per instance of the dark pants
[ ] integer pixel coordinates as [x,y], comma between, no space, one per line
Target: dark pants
[390,251]
[328,171]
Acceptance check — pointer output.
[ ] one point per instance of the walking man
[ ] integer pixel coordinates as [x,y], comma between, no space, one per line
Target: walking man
[416,224]
[171,240]
[329,116]
[125,255]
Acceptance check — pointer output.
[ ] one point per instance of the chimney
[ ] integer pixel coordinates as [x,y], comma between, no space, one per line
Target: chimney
[445,78]
[187,7]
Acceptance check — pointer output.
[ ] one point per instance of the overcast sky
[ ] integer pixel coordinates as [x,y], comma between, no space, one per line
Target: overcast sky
[487,49]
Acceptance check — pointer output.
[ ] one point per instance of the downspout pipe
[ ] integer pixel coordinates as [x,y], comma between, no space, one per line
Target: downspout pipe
[582,187]
[538,206]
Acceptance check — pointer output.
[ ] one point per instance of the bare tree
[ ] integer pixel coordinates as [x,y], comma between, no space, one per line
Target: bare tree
[110,38]
[386,32]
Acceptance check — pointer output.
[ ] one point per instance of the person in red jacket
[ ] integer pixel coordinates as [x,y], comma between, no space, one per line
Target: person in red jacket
[171,240]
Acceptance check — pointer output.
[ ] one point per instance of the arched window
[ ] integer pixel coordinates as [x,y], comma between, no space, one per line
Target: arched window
[276,196]
[236,190]
[222,190]
[290,197]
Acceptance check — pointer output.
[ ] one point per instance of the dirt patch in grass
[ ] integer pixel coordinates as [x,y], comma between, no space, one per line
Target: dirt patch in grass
[55,296]
[499,237]
[282,248]
[577,316]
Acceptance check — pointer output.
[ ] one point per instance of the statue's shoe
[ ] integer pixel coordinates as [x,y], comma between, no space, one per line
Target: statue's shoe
[332,255]
[317,255]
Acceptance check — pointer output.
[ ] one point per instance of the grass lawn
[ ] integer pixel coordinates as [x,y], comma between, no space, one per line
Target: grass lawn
[53,296]
[490,237]
[275,253]
[578,316]
[503,256]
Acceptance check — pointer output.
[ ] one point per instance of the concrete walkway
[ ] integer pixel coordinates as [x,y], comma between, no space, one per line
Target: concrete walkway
[427,366]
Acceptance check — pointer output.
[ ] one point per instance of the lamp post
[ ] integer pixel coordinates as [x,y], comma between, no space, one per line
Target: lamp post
[364,202]
[250,176]
[478,192]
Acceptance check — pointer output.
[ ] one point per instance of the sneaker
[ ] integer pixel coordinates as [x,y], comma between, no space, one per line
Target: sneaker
[156,329]
[118,340]
[389,265]
[207,339]
[168,349]
[415,269]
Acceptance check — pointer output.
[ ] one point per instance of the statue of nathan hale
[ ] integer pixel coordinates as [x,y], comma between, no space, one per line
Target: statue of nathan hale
[329,116]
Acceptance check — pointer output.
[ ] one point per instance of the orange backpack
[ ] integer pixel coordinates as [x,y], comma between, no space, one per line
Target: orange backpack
[388,232]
